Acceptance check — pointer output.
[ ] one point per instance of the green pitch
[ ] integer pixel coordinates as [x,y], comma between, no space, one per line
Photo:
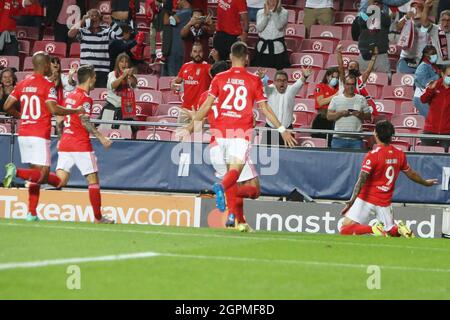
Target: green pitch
[191,263]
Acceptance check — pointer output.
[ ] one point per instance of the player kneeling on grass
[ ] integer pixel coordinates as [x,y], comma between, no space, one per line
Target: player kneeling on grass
[236,91]
[375,186]
[75,146]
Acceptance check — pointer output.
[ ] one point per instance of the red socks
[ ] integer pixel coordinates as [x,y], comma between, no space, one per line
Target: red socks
[33,197]
[230,179]
[96,200]
[231,198]
[33,175]
[54,180]
[351,229]
[240,210]
[394,232]
[248,191]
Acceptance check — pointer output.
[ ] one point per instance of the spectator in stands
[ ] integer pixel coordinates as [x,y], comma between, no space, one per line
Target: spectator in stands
[426,72]
[281,97]
[94,43]
[271,22]
[437,95]
[8,81]
[156,18]
[62,14]
[386,4]
[118,46]
[353,69]
[375,36]
[64,83]
[175,57]
[253,6]
[409,58]
[124,12]
[348,110]
[195,78]
[318,12]
[120,80]
[198,29]
[440,34]
[326,90]
[440,5]
[232,23]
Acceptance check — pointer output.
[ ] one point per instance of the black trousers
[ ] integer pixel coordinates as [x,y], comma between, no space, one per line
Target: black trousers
[222,42]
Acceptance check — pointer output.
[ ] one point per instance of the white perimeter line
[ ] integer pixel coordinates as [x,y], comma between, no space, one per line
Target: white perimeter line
[240,237]
[142,255]
[45,263]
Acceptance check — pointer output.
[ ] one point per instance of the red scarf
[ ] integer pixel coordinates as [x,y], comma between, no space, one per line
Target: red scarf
[443,45]
[128,101]
[434,66]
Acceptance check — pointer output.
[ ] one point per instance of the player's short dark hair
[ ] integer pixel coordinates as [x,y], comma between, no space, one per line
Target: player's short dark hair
[218,67]
[385,130]
[239,50]
[280,73]
[85,72]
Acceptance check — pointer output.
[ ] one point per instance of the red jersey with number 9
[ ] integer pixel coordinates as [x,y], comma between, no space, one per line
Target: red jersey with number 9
[236,90]
[75,137]
[33,93]
[383,164]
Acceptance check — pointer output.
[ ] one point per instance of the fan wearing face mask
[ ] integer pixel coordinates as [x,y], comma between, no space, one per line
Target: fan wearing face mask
[426,72]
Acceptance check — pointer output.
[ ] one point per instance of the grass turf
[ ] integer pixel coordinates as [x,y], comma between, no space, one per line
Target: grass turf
[217,264]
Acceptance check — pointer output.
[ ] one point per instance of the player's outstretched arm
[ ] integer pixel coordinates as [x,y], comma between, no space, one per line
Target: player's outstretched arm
[414,176]
[356,190]
[61,111]
[285,134]
[8,107]
[93,130]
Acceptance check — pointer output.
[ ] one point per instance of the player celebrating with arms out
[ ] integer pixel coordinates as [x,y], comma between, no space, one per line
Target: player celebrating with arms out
[375,186]
[75,146]
[236,91]
[38,99]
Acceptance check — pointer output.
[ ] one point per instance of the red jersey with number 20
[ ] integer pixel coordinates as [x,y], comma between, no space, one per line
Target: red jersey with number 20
[75,137]
[236,90]
[383,164]
[33,93]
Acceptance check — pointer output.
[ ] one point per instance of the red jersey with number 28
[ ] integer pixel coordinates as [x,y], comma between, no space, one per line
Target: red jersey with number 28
[236,90]
[33,93]
[383,164]
[75,137]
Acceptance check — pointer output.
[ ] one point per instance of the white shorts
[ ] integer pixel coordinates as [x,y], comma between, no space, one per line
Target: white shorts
[234,148]
[219,162]
[35,150]
[86,162]
[361,210]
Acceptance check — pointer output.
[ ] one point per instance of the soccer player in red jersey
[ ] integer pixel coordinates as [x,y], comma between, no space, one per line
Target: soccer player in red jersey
[195,78]
[75,146]
[236,91]
[38,99]
[375,186]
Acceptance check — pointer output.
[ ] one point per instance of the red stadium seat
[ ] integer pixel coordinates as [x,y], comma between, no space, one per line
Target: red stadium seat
[386,107]
[314,60]
[333,33]
[5,128]
[351,5]
[408,121]
[291,16]
[429,149]
[9,62]
[404,130]
[27,64]
[304,105]
[379,80]
[408,107]
[270,72]
[147,95]
[162,120]
[145,81]
[252,29]
[116,134]
[53,48]
[49,34]
[97,108]
[295,31]
[24,46]
[373,91]
[303,119]
[145,109]
[306,142]
[164,83]
[74,50]
[99,94]
[300,16]
[400,79]
[104,7]
[349,47]
[68,63]
[168,110]
[172,98]
[398,94]
[164,135]
[293,74]
[332,60]
[394,51]
[344,19]
[293,44]
[28,33]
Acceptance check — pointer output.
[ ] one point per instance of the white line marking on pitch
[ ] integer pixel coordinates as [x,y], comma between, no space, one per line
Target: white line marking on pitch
[241,237]
[143,255]
[45,263]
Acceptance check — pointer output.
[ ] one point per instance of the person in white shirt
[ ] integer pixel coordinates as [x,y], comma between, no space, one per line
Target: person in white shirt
[281,98]
[318,12]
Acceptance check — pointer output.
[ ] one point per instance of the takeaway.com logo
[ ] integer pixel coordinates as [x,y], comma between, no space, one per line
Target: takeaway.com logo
[13,208]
